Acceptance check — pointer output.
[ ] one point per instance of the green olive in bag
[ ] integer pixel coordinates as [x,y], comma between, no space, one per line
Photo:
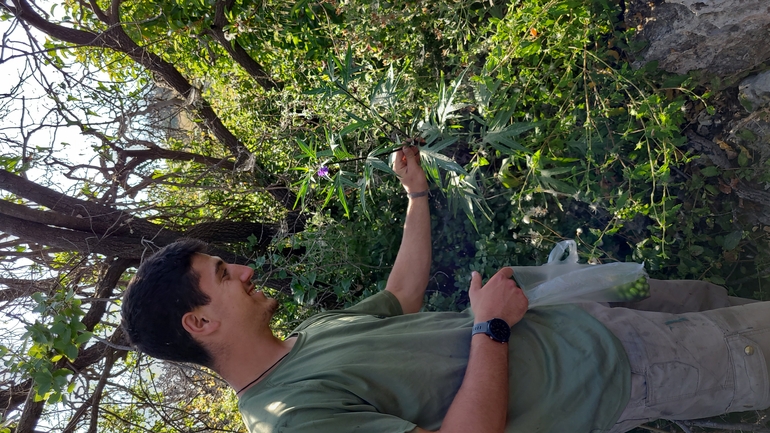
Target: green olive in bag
[634,291]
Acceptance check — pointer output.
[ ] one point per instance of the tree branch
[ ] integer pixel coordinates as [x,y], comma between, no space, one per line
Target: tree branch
[31,413]
[236,51]
[18,288]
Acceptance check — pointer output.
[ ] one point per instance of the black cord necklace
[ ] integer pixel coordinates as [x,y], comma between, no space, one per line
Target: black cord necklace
[263,373]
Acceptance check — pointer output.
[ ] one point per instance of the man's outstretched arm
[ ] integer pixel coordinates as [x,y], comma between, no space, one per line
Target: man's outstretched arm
[409,277]
[481,403]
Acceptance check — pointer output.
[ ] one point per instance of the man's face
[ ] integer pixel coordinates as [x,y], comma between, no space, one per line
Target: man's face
[234,300]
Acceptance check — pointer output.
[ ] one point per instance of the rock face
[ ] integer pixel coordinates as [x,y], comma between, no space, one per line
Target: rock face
[716,36]
[754,92]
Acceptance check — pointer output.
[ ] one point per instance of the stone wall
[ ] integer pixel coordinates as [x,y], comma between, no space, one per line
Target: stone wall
[722,37]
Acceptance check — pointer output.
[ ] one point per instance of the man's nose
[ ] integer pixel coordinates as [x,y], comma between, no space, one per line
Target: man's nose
[244,273]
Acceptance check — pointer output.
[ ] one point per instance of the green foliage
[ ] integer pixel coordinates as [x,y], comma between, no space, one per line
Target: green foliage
[336,261]
[551,124]
[56,335]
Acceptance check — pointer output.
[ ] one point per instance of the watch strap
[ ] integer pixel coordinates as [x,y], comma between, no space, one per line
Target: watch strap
[496,329]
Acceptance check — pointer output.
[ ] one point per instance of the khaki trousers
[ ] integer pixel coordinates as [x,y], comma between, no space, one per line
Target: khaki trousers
[694,352]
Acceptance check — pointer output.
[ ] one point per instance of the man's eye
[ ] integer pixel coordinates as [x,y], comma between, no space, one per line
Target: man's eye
[225,274]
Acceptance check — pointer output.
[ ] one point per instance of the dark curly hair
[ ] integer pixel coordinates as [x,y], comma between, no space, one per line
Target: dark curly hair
[164,289]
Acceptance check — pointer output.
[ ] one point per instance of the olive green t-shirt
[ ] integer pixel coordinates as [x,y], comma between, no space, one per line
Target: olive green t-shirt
[372,369]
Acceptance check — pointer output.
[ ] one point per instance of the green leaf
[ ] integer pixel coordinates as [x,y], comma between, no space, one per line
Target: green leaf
[503,139]
[710,171]
[557,185]
[71,352]
[434,160]
[529,49]
[310,153]
[550,172]
[446,105]
[675,81]
[59,328]
[743,159]
[85,336]
[384,93]
[38,297]
[438,147]
[379,164]
[343,200]
[43,380]
[354,127]
[732,240]
[484,92]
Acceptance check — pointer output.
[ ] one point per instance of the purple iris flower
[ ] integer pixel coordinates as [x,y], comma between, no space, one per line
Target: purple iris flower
[323,171]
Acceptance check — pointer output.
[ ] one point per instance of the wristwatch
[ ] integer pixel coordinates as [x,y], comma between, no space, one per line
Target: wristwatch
[497,329]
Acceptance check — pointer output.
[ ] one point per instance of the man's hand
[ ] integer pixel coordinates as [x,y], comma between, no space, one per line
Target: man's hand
[500,298]
[407,167]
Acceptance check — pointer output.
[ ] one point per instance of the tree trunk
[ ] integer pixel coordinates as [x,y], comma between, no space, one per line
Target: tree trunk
[233,231]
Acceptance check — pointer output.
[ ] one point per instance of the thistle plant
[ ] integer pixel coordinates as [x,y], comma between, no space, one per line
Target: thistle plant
[332,170]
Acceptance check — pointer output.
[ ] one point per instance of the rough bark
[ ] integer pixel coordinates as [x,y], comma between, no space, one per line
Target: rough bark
[13,396]
[233,231]
[27,213]
[104,289]
[31,413]
[79,225]
[70,239]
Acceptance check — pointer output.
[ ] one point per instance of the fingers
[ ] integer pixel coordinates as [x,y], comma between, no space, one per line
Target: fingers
[475,281]
[405,157]
[500,297]
[503,274]
[399,162]
[506,272]
[399,156]
[411,153]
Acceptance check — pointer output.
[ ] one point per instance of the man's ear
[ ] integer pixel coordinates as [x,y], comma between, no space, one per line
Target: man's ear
[196,323]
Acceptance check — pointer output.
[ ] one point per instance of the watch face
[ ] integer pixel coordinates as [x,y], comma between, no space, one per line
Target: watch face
[499,330]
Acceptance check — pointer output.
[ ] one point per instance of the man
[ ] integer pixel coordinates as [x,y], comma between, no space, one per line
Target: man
[382,366]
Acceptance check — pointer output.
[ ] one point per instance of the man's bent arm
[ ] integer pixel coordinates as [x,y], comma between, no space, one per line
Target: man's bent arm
[481,404]
[409,277]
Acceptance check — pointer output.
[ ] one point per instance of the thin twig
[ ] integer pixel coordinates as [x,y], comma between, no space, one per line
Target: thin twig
[756,428]
[683,426]
[652,429]
[366,157]
[363,104]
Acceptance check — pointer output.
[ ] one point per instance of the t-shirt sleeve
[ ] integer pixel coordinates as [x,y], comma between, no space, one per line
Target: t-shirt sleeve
[384,303]
[369,422]
[314,409]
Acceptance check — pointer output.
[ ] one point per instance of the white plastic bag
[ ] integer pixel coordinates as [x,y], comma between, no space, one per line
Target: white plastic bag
[566,281]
